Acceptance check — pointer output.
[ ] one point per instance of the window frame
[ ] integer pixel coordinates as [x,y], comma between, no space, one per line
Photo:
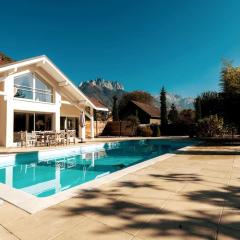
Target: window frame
[33,90]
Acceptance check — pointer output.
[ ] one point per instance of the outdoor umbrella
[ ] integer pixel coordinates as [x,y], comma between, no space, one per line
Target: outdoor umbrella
[82,120]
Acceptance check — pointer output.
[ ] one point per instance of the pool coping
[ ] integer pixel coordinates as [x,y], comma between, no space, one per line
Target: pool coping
[32,204]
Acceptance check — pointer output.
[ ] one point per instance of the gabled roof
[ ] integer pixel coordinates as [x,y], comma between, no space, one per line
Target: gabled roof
[96,102]
[149,109]
[63,81]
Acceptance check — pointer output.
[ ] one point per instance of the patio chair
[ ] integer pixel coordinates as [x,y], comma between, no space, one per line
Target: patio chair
[71,136]
[61,137]
[26,139]
[40,140]
[51,138]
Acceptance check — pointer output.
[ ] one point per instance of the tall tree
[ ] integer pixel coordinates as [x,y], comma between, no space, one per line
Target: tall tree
[208,103]
[163,107]
[115,109]
[173,114]
[198,109]
[230,83]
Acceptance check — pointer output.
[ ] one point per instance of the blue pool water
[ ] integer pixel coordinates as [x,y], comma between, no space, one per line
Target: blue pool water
[59,170]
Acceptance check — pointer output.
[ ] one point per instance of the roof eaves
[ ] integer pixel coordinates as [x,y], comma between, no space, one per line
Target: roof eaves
[33,60]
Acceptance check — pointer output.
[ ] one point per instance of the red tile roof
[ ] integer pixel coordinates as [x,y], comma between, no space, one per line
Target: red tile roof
[151,110]
[96,102]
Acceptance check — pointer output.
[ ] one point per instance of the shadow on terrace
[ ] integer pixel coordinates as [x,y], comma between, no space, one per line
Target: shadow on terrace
[147,215]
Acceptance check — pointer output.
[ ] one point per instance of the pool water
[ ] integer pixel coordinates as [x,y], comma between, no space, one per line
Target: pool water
[47,176]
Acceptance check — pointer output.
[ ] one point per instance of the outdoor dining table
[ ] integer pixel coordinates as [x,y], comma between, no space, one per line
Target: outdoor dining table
[44,137]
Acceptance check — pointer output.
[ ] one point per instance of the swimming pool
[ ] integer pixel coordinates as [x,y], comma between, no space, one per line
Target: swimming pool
[46,173]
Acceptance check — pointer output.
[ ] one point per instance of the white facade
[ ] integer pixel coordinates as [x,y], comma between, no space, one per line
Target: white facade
[56,97]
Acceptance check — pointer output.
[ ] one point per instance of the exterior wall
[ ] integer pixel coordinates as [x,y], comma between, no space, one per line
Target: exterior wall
[98,128]
[9,104]
[154,121]
[69,111]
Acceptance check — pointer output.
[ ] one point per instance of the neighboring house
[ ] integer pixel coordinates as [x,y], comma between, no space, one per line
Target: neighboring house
[96,102]
[36,95]
[146,113]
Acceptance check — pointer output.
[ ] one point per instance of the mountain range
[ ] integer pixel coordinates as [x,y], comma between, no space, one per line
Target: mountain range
[104,90]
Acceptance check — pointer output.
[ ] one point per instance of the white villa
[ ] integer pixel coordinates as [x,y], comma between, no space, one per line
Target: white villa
[35,95]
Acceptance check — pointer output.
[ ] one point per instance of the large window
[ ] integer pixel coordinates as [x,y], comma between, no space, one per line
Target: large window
[30,86]
[32,122]
[70,123]
[23,122]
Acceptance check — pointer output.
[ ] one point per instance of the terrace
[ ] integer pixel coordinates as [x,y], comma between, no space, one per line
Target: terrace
[190,195]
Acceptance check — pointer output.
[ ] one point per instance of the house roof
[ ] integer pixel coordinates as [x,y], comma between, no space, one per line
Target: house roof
[63,81]
[149,109]
[96,102]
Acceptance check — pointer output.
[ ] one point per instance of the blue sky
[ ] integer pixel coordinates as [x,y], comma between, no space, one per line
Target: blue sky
[144,44]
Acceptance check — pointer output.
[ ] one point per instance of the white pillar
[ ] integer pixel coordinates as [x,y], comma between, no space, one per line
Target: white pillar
[92,123]
[56,117]
[8,88]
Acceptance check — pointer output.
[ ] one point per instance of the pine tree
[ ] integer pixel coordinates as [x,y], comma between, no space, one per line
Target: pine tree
[115,109]
[163,108]
[173,114]
[198,107]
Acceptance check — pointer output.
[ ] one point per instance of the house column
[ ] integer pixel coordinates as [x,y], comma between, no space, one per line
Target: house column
[8,88]
[92,123]
[56,117]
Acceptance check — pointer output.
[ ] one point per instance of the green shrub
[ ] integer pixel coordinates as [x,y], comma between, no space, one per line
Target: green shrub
[210,126]
[144,131]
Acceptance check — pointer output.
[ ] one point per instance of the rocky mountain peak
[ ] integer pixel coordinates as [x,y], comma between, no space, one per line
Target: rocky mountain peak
[102,83]
[104,91]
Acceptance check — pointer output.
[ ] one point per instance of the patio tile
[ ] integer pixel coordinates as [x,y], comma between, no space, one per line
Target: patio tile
[130,216]
[5,235]
[10,213]
[214,181]
[170,186]
[153,204]
[151,192]
[45,224]
[212,173]
[174,225]
[90,229]
[86,205]
[186,204]
[202,188]
[149,171]
[178,198]
[227,234]
[230,219]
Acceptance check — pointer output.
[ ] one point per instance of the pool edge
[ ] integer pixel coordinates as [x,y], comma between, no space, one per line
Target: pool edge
[32,204]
